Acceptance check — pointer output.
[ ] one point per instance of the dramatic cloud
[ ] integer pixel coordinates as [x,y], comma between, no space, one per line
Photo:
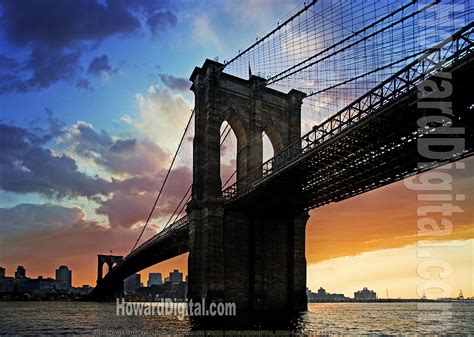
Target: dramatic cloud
[54,34]
[132,201]
[25,166]
[161,21]
[162,116]
[68,22]
[27,217]
[175,83]
[127,156]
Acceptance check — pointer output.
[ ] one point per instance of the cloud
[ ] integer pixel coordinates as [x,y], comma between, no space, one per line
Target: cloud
[68,22]
[162,116]
[25,166]
[100,66]
[175,83]
[134,196]
[126,156]
[161,21]
[54,34]
[25,217]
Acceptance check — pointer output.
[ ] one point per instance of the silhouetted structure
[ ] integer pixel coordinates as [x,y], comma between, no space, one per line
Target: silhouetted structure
[154,279]
[7,284]
[322,295]
[365,294]
[176,277]
[20,272]
[131,283]
[64,277]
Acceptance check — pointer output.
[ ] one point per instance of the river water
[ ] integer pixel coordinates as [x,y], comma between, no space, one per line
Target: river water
[81,318]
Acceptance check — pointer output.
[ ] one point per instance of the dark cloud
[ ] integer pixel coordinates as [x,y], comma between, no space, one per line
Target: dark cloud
[49,66]
[57,33]
[100,65]
[58,23]
[175,83]
[8,63]
[26,217]
[43,68]
[161,21]
[26,167]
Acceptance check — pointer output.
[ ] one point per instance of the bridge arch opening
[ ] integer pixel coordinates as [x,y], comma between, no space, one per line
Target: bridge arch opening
[268,149]
[105,269]
[228,155]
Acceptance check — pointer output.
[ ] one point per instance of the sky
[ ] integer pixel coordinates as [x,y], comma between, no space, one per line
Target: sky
[94,96]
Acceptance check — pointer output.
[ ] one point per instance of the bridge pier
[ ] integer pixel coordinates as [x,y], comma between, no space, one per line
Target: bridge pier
[255,260]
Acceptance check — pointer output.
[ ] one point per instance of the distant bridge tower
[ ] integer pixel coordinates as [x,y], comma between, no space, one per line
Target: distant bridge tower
[109,260]
[253,252]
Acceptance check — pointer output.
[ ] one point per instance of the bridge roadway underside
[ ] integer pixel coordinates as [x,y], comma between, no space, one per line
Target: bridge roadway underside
[172,245]
[358,159]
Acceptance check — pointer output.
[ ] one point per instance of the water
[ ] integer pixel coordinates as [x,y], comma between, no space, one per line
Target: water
[321,318]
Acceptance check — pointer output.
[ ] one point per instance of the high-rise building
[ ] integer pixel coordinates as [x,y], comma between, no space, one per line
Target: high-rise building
[131,283]
[154,279]
[20,272]
[2,272]
[64,277]
[176,277]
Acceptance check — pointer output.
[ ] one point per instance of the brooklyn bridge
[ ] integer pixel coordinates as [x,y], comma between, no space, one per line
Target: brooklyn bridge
[352,96]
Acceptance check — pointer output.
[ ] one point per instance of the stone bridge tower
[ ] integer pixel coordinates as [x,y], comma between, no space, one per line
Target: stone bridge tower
[253,255]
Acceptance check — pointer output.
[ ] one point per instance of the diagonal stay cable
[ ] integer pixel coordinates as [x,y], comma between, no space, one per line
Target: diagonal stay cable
[164,181]
[286,73]
[365,74]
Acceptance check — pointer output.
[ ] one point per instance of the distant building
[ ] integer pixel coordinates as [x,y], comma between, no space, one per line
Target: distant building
[365,294]
[154,279]
[7,284]
[2,272]
[20,272]
[176,277]
[64,277]
[131,283]
[322,295]
[82,291]
[39,286]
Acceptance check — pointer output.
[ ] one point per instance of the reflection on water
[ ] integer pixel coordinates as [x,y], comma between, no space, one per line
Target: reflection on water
[322,318]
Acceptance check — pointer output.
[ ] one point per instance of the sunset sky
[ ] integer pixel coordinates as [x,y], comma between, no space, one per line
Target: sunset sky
[93,101]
